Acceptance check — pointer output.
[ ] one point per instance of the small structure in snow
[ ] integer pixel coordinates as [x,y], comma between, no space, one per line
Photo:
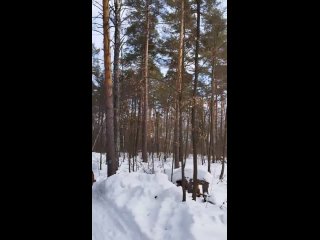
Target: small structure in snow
[202,190]
[204,177]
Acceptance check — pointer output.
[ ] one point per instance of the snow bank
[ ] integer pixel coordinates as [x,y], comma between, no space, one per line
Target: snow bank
[141,206]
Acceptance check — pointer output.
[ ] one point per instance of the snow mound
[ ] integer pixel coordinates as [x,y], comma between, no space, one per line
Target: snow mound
[143,206]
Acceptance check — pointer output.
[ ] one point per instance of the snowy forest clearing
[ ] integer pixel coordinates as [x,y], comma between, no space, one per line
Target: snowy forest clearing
[140,205]
[159,85]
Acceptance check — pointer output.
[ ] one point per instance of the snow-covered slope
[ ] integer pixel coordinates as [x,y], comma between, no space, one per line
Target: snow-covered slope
[142,206]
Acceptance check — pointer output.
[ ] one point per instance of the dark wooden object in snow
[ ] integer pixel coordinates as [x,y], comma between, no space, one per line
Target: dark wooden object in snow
[93,180]
[189,186]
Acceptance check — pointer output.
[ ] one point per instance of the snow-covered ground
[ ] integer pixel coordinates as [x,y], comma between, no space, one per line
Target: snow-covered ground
[144,206]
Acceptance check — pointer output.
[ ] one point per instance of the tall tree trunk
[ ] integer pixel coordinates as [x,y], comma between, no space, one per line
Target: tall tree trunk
[131,132]
[145,104]
[101,140]
[193,120]
[166,137]
[213,115]
[149,130]
[180,136]
[224,147]
[100,162]
[139,121]
[153,143]
[176,132]
[202,133]
[170,137]
[216,140]
[112,159]
[138,124]
[210,138]
[100,122]
[116,74]
[187,139]
[179,89]
[183,182]
[157,133]
[221,123]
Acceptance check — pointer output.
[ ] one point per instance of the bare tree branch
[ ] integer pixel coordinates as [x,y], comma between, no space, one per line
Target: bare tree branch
[97,31]
[98,16]
[100,8]
[99,24]
[98,3]
[112,8]
[122,39]
[112,20]
[205,61]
